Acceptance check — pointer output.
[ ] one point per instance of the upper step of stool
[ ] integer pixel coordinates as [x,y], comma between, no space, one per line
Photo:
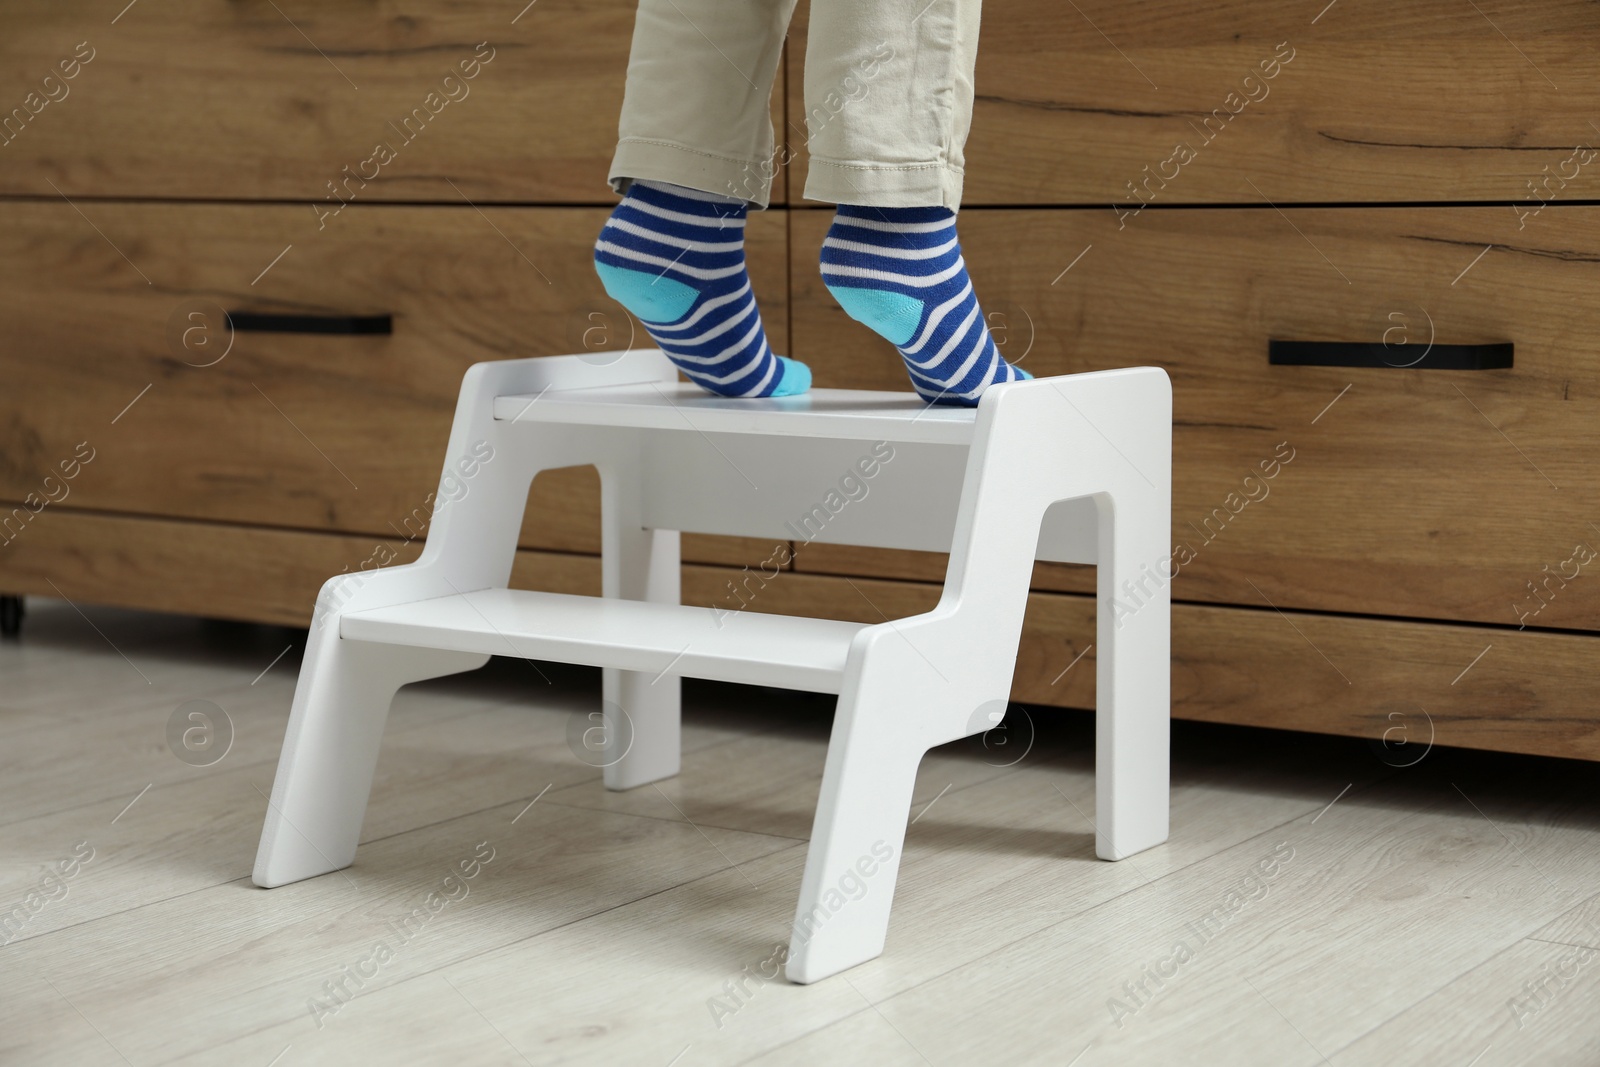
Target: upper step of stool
[851,414]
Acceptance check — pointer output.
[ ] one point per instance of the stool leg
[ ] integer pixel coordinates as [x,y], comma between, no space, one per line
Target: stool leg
[1132,678]
[341,703]
[842,918]
[638,564]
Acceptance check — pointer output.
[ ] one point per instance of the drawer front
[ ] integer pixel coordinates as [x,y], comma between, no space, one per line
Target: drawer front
[1401,491]
[1404,686]
[1371,100]
[250,573]
[1400,685]
[340,433]
[209,99]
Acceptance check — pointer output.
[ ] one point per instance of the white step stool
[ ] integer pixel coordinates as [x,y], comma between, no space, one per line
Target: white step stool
[1074,468]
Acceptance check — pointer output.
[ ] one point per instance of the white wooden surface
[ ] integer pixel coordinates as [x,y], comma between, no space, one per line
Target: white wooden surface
[1037,473]
[850,414]
[744,646]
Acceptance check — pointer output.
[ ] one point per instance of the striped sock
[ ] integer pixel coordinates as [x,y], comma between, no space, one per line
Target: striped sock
[900,271]
[674,257]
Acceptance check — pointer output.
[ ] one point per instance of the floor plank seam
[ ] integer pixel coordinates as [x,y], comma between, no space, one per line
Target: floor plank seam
[1564,944]
[870,1006]
[1079,915]
[517,941]
[1501,951]
[239,768]
[126,911]
[399,833]
[1075,916]
[680,822]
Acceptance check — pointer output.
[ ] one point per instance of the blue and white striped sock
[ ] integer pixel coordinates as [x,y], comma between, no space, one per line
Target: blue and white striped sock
[900,271]
[674,257]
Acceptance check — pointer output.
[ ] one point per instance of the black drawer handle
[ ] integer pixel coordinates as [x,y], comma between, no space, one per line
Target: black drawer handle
[1494,356]
[262,322]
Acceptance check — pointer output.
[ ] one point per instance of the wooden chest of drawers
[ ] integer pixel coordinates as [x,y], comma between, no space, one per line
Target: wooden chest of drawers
[1167,183]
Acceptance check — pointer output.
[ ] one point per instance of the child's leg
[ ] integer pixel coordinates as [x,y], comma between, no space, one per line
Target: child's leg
[695,149]
[889,102]
[696,108]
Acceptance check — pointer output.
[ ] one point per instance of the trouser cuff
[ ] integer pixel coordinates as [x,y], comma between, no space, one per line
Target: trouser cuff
[891,185]
[693,168]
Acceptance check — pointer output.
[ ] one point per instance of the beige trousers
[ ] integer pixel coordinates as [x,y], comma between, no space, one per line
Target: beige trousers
[888,97]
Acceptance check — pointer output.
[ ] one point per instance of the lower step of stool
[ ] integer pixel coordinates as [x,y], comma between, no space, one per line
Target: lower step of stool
[732,646]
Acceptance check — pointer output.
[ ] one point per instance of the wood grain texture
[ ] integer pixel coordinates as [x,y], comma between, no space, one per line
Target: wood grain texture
[1375,908]
[1394,683]
[816,558]
[1579,926]
[212,100]
[1013,820]
[551,867]
[121,761]
[336,433]
[1493,1011]
[609,928]
[260,574]
[249,573]
[1411,493]
[1425,101]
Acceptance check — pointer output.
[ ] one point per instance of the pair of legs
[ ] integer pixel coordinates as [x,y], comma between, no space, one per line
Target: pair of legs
[888,105]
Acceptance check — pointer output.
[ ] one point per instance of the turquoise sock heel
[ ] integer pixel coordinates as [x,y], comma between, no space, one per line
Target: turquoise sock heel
[899,271]
[675,259]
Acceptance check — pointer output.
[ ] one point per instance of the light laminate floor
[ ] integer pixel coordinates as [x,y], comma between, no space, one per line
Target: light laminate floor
[1442,913]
